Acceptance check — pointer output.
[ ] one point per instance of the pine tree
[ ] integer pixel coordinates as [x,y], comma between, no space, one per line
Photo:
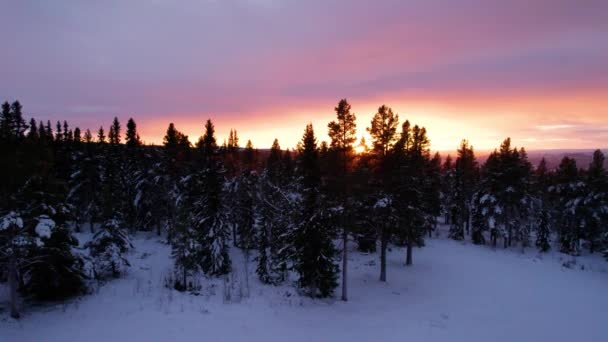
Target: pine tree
[85,179]
[383,130]
[273,207]
[594,216]
[77,136]
[465,178]
[249,162]
[32,134]
[314,252]
[66,132]
[101,138]
[543,233]
[342,133]
[42,260]
[447,185]
[566,195]
[505,201]
[88,137]
[58,133]
[49,130]
[202,209]
[6,122]
[132,137]
[411,190]
[108,246]
[114,134]
[12,124]
[432,192]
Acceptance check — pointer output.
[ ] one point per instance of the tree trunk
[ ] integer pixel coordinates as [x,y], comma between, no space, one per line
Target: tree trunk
[344,262]
[234,241]
[410,242]
[383,245]
[408,259]
[13,282]
[246,259]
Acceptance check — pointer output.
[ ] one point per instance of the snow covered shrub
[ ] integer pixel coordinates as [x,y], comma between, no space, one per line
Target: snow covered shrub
[44,256]
[57,270]
[107,249]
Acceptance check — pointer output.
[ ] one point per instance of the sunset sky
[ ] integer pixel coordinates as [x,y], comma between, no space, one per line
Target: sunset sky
[535,70]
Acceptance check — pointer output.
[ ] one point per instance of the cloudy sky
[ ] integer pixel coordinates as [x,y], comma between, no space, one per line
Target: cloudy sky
[535,70]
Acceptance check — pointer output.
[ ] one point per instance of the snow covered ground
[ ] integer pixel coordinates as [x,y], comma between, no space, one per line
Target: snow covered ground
[455,291]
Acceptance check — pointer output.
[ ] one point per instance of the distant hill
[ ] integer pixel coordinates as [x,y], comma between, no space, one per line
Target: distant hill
[553,157]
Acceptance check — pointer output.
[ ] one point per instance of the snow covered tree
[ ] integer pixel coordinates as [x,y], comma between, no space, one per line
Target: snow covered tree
[447,184]
[36,247]
[567,196]
[314,252]
[13,241]
[108,246]
[412,192]
[594,214]
[504,201]
[543,232]
[465,179]
[432,191]
[84,182]
[186,240]
[274,206]
[211,216]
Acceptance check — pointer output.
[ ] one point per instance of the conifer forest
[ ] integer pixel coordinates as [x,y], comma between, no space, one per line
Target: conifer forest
[290,214]
[304,171]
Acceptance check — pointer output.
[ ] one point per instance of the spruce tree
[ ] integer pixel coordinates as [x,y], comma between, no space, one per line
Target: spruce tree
[465,178]
[273,207]
[114,134]
[566,195]
[88,137]
[342,133]
[383,130]
[101,137]
[77,136]
[594,216]
[202,209]
[314,252]
[504,201]
[132,137]
[543,233]
[58,133]
[411,191]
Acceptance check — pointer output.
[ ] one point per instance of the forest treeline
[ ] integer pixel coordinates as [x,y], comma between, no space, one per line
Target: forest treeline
[292,212]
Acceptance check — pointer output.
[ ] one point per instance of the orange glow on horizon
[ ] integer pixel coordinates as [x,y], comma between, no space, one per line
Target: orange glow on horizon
[534,122]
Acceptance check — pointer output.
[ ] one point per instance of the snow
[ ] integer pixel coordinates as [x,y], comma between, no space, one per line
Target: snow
[9,220]
[455,291]
[44,227]
[382,202]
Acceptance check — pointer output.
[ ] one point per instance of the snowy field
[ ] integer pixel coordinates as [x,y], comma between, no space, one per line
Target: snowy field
[455,291]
